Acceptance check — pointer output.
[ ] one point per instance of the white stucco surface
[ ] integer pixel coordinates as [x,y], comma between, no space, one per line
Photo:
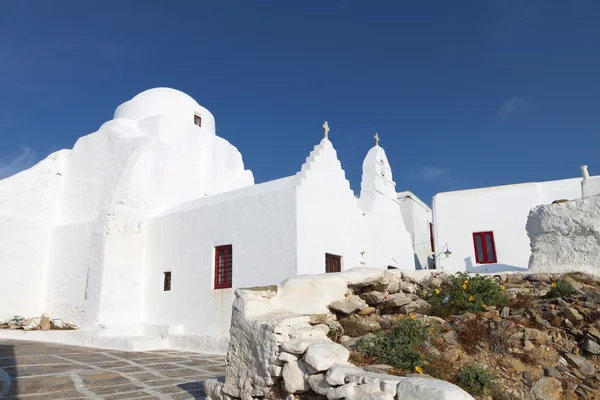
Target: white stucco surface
[565,237]
[417,217]
[502,210]
[88,233]
[590,186]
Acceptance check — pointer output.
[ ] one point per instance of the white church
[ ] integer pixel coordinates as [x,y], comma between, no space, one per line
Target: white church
[145,227]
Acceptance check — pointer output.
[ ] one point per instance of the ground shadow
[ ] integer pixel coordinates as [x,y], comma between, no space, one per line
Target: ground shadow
[491,268]
[8,372]
[196,388]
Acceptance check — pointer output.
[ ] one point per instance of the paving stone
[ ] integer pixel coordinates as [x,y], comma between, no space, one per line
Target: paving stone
[115,389]
[48,384]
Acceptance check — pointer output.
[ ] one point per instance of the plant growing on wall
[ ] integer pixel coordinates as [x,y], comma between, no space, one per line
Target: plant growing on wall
[464,292]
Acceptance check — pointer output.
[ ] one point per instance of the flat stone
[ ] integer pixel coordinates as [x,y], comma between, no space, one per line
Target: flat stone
[336,375]
[321,356]
[591,346]
[373,298]
[349,305]
[298,346]
[397,300]
[366,311]
[294,376]
[548,388]
[355,326]
[451,338]
[572,314]
[552,372]
[505,312]
[585,366]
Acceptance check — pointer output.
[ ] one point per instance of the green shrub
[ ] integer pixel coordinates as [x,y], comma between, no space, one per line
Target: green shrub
[464,292]
[560,288]
[475,379]
[399,348]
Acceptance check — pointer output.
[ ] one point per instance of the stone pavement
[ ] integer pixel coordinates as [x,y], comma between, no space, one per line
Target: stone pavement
[36,371]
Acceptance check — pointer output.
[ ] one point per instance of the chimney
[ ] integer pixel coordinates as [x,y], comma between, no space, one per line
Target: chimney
[585,172]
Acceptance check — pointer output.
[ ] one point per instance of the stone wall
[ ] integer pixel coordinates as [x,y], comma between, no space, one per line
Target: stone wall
[565,237]
[280,346]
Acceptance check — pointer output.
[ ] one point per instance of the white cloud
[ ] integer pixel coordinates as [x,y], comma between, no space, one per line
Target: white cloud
[17,163]
[428,172]
[511,105]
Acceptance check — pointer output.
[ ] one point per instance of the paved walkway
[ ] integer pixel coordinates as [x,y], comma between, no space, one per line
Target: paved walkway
[36,371]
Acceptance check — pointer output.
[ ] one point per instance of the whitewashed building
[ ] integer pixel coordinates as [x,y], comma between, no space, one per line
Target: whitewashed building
[483,230]
[418,222]
[145,227]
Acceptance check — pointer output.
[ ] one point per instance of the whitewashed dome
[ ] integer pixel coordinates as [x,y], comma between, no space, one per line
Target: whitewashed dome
[166,101]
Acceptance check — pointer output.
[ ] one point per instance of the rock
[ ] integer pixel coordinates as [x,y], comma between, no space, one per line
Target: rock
[295,377]
[418,306]
[354,326]
[348,305]
[591,346]
[548,388]
[452,354]
[572,314]
[451,338]
[275,370]
[576,285]
[285,357]
[528,346]
[505,312]
[394,282]
[490,314]
[535,335]
[321,318]
[45,323]
[514,278]
[336,375]
[397,300]
[436,282]
[298,346]
[552,372]
[351,343]
[321,356]
[373,298]
[408,287]
[546,278]
[366,311]
[428,388]
[386,325]
[585,366]
[319,385]
[527,378]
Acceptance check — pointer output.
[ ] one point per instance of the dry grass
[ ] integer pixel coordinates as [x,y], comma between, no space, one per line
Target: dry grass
[471,333]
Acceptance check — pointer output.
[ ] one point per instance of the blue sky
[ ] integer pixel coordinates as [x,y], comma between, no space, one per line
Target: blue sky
[463,94]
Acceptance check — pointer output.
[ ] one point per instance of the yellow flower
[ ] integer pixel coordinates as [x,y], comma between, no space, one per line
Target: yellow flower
[466,281]
[422,293]
[553,284]
[437,291]
[484,306]
[471,298]
[464,286]
[431,329]
[412,316]
[501,287]
[419,370]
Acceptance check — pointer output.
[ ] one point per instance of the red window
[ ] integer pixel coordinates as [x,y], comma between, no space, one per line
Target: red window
[431,237]
[333,263]
[485,248]
[223,266]
[198,120]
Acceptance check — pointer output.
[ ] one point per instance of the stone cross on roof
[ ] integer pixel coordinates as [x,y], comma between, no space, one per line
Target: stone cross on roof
[326,129]
[376,139]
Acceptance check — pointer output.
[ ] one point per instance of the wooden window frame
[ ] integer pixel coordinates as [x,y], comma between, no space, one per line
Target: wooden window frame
[228,270]
[167,277]
[485,259]
[335,257]
[199,119]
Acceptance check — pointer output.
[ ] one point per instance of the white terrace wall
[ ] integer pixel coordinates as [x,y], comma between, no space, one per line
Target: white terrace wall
[565,237]
[260,224]
[502,210]
[27,203]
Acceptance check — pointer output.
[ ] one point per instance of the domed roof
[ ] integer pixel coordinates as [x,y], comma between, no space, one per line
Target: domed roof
[165,101]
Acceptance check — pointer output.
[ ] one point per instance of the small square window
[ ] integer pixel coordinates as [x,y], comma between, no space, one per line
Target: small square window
[333,263]
[485,248]
[223,266]
[198,120]
[167,281]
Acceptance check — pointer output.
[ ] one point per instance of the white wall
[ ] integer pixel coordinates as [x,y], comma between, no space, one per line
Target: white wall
[590,186]
[329,219]
[502,210]
[417,217]
[566,237]
[258,221]
[27,202]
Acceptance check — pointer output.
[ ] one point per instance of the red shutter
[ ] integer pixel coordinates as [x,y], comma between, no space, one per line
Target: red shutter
[485,248]
[223,266]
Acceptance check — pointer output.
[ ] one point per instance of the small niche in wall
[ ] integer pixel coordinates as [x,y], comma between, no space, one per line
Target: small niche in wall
[197,120]
[166,281]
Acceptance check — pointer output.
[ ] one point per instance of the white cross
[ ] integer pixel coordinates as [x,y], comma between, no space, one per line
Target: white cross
[326,129]
[376,139]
